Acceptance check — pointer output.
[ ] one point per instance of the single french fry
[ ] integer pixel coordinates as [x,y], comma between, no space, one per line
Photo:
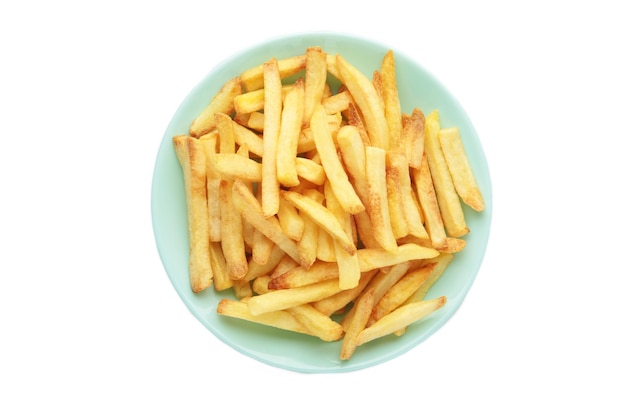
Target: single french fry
[253,101]
[399,319]
[322,216]
[310,170]
[400,292]
[379,258]
[377,202]
[279,319]
[250,208]
[366,97]
[412,137]
[315,80]
[427,197]
[271,129]
[233,245]
[391,99]
[256,121]
[337,103]
[252,79]
[460,169]
[316,323]
[283,299]
[245,136]
[221,280]
[395,201]
[356,119]
[222,102]
[233,166]
[347,264]
[291,123]
[449,202]
[301,276]
[362,311]
[335,172]
[212,187]
[192,158]
[290,220]
[336,302]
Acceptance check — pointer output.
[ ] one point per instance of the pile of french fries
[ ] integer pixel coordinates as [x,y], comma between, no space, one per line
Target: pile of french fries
[328,213]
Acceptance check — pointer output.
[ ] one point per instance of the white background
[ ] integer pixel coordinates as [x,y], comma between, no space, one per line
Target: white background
[89,322]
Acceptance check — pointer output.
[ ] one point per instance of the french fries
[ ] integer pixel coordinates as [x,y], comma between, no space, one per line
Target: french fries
[326,213]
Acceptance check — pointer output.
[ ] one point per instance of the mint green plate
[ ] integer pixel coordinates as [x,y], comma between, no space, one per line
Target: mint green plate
[284,349]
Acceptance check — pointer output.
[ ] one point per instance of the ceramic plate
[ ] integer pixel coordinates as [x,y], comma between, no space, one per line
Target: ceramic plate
[418,88]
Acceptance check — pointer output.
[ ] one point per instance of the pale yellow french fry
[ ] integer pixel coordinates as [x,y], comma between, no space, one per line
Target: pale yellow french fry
[400,292]
[310,170]
[379,258]
[224,126]
[256,269]
[335,172]
[242,289]
[222,102]
[339,301]
[412,137]
[279,319]
[233,245]
[252,79]
[358,321]
[233,166]
[337,103]
[391,99]
[315,80]
[272,112]
[300,276]
[368,100]
[212,187]
[322,216]
[284,299]
[400,318]
[325,246]
[290,220]
[291,123]
[252,140]
[441,263]
[256,121]
[253,101]
[385,279]
[259,285]
[316,323]
[460,168]
[221,280]
[427,197]
[348,264]
[192,158]
[251,210]
[449,202]
[331,66]
[377,202]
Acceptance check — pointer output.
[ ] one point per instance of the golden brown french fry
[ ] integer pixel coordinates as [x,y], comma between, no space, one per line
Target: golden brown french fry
[366,97]
[315,80]
[430,207]
[449,202]
[362,311]
[460,168]
[291,123]
[192,158]
[400,292]
[233,245]
[400,318]
[252,79]
[254,101]
[379,258]
[283,299]
[385,279]
[256,269]
[316,323]
[356,119]
[224,126]
[301,276]
[249,207]
[222,102]
[335,173]
[271,129]
[395,201]
[377,202]
[391,99]
[442,261]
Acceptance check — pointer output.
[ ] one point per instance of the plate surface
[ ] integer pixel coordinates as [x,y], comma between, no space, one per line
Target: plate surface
[288,350]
